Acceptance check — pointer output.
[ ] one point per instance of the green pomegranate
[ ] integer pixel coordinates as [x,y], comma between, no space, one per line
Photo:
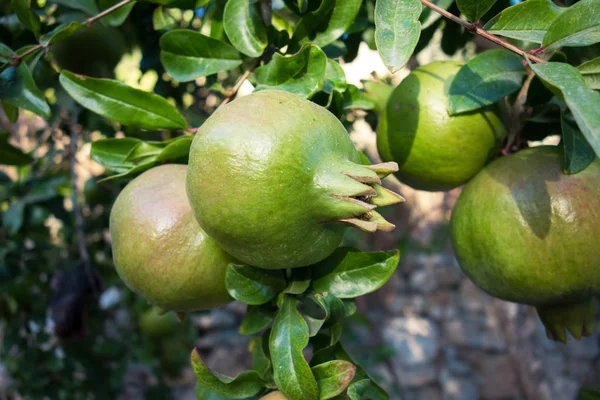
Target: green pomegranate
[159,250]
[156,324]
[93,51]
[435,151]
[275,179]
[525,232]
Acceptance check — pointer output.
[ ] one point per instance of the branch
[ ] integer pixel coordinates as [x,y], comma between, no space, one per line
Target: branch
[233,91]
[476,30]
[88,22]
[84,256]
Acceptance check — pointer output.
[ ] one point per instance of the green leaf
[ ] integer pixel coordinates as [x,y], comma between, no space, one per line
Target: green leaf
[333,377]
[18,88]
[335,77]
[577,153]
[299,282]
[589,394]
[27,16]
[244,27]
[11,155]
[350,273]
[11,112]
[87,6]
[260,361]
[188,55]
[337,351]
[12,218]
[115,100]
[135,171]
[61,32]
[177,148]
[579,25]
[429,17]
[474,9]
[484,80]
[591,73]
[339,20]
[397,31]
[112,153]
[329,310]
[354,98]
[253,286]
[162,19]
[528,20]
[357,389]
[288,338]
[256,319]
[583,102]
[246,384]
[302,73]
[118,17]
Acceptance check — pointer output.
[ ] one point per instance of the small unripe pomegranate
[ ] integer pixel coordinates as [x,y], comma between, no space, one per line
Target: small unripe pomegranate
[159,249]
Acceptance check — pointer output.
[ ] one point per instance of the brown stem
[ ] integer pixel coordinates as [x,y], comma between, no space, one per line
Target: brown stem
[233,91]
[518,114]
[88,22]
[476,30]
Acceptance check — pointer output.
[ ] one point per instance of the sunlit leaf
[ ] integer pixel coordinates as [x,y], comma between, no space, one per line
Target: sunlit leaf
[350,273]
[302,73]
[397,30]
[484,80]
[591,73]
[528,20]
[244,27]
[115,100]
[188,55]
[333,377]
[579,25]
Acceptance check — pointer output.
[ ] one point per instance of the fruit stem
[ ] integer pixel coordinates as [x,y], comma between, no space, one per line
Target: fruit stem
[577,318]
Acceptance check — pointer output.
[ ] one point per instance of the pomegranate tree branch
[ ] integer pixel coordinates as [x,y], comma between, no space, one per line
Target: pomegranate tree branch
[233,91]
[476,30]
[88,22]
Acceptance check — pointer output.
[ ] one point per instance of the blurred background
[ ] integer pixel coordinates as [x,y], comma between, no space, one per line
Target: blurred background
[70,329]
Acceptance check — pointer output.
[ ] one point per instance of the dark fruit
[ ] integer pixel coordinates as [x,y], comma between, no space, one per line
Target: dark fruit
[93,51]
[159,250]
[525,232]
[435,151]
[275,180]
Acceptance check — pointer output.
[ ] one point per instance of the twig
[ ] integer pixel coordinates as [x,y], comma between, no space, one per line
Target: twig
[79,224]
[476,30]
[518,113]
[234,90]
[88,22]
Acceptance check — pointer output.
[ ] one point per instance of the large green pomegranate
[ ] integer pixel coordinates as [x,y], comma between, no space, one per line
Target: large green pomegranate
[275,179]
[435,151]
[159,250]
[525,232]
